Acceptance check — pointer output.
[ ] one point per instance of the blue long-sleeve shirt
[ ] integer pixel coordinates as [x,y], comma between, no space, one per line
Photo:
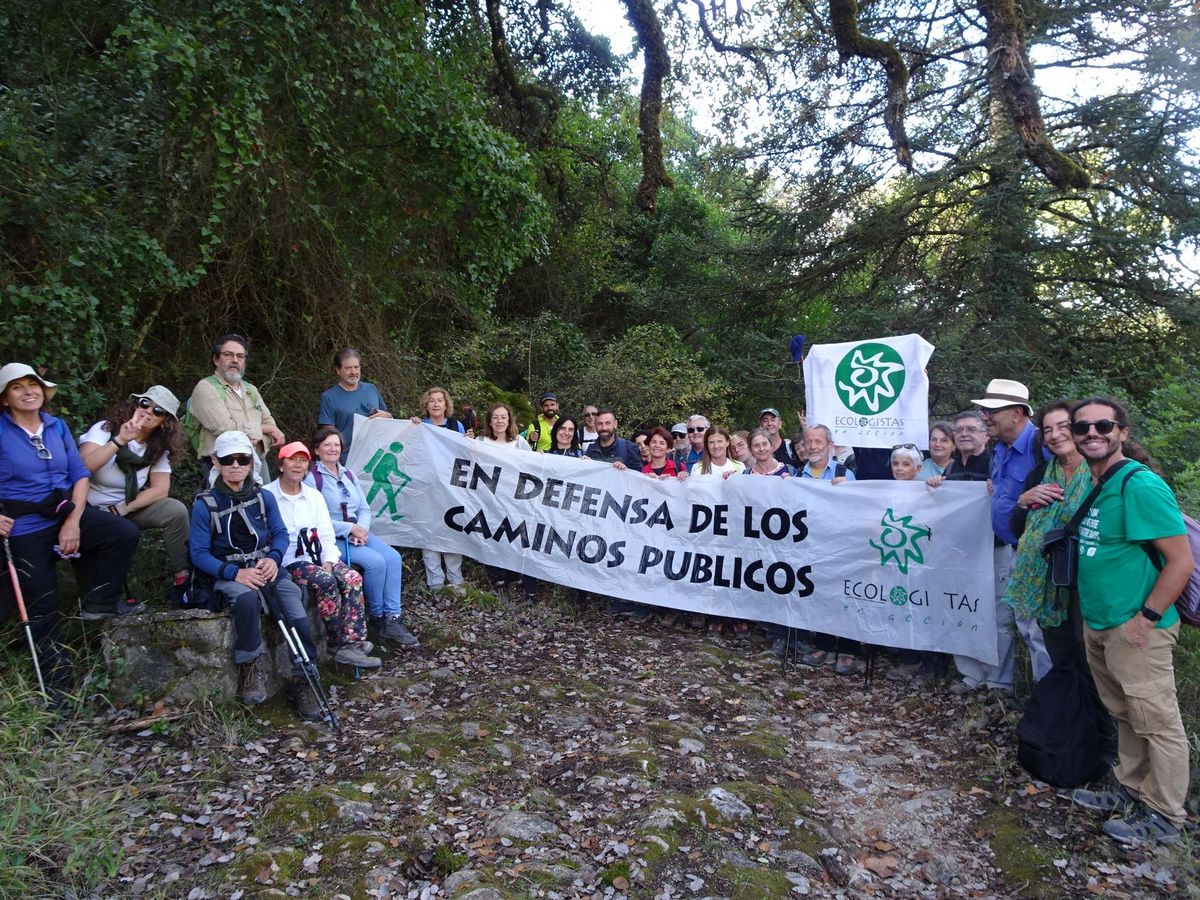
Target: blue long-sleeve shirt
[1010,466]
[209,548]
[26,477]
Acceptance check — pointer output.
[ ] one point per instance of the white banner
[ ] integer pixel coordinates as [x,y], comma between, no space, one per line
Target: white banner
[870,393]
[886,562]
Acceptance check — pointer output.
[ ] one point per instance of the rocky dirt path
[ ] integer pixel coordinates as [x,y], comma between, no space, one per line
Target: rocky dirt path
[551,752]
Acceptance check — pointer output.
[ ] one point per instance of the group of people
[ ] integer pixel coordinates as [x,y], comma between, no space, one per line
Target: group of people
[309,532]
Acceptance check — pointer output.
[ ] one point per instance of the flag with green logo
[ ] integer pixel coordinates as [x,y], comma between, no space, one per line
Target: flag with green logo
[872,393]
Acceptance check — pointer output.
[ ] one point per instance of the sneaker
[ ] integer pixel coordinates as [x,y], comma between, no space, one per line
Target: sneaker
[1105,801]
[458,590]
[305,702]
[130,606]
[1142,824]
[393,629]
[848,664]
[961,687]
[620,608]
[254,680]
[354,655]
[816,658]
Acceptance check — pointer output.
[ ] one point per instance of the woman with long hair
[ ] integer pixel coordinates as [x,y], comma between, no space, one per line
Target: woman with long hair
[500,427]
[566,438]
[715,461]
[129,454]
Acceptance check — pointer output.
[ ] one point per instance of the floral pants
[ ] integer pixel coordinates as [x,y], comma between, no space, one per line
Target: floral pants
[339,599]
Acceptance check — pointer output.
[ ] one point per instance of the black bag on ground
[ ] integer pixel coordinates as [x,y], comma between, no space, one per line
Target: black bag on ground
[1058,737]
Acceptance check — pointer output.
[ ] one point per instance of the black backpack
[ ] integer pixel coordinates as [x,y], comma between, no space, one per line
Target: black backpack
[1058,737]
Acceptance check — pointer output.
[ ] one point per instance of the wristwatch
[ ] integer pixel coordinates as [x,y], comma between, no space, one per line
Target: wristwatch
[1150,614]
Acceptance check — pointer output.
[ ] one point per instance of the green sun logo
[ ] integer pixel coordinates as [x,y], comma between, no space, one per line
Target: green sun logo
[869,378]
[898,541]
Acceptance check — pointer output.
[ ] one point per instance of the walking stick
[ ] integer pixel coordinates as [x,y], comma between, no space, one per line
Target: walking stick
[16,583]
[300,658]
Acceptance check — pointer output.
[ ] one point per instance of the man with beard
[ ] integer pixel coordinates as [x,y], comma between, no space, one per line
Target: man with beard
[1134,561]
[538,432]
[609,448]
[225,401]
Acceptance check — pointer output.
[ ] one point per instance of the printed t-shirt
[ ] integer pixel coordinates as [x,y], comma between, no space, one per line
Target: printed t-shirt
[1116,574]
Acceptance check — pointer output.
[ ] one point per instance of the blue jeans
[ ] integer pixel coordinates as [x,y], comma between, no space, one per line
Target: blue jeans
[383,572]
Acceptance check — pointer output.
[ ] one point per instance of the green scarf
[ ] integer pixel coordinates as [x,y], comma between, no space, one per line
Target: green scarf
[130,464]
[1029,590]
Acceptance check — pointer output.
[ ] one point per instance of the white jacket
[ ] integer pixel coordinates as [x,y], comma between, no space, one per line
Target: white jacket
[306,510]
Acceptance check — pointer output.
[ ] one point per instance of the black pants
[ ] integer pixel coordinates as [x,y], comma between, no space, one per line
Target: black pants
[1065,645]
[106,547]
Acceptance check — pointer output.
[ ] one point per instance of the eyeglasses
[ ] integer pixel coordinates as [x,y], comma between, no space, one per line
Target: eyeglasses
[1103,426]
[697,429]
[229,354]
[147,403]
[968,429]
[904,446]
[589,414]
[43,452]
[235,459]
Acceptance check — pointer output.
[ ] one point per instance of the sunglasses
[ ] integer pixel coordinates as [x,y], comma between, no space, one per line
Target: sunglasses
[1103,426]
[700,428]
[43,452]
[904,446]
[147,403]
[235,459]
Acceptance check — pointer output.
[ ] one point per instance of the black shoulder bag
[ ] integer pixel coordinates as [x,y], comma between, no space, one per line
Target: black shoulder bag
[1060,547]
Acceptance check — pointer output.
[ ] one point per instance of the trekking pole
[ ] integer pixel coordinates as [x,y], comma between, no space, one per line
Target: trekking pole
[300,658]
[16,583]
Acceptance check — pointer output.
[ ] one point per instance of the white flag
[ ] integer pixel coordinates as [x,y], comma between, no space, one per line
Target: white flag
[871,393]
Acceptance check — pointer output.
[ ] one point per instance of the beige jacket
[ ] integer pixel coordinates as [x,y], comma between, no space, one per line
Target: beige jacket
[218,409]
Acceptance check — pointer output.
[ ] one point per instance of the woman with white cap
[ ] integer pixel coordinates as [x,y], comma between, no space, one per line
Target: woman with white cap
[129,454]
[45,517]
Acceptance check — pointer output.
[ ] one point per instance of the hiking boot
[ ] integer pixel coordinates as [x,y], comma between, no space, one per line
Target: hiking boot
[816,658]
[1142,824]
[457,590]
[393,629]
[177,595]
[1105,801]
[254,680]
[354,655]
[304,700]
[97,610]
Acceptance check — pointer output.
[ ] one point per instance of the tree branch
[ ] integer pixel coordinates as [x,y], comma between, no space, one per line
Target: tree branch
[1010,75]
[843,16]
[644,19]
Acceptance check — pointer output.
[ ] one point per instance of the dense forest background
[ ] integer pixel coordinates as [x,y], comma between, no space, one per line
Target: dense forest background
[478,194]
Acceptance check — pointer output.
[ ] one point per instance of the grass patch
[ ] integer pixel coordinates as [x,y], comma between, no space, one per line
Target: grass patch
[60,825]
[764,744]
[298,811]
[1022,862]
[754,884]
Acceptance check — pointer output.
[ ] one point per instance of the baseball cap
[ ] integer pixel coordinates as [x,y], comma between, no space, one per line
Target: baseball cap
[293,449]
[679,428]
[769,411]
[228,442]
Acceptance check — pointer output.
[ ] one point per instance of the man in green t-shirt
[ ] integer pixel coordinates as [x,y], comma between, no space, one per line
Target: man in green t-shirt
[1134,561]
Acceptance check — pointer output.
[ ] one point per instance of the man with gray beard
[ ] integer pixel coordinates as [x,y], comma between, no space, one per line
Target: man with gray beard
[225,401]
